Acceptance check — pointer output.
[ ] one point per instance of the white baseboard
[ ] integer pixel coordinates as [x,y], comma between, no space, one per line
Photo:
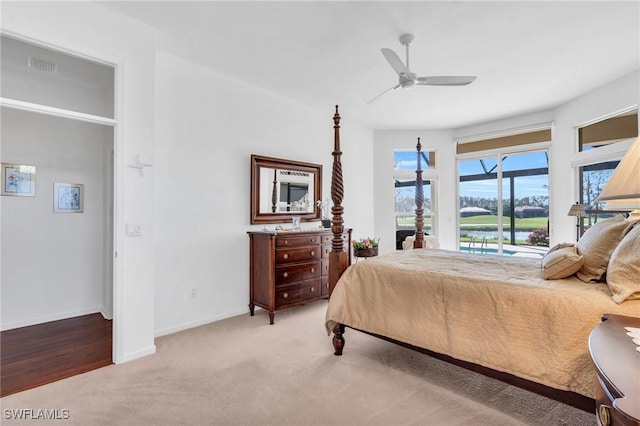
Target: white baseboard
[54,317]
[106,315]
[203,321]
[149,350]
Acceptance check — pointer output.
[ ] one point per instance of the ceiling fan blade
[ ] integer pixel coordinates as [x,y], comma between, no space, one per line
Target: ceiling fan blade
[394,60]
[388,90]
[445,80]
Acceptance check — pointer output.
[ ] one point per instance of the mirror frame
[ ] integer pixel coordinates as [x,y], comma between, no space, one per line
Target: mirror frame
[258,161]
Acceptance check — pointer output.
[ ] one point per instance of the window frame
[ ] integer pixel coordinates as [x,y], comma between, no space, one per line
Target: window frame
[499,154]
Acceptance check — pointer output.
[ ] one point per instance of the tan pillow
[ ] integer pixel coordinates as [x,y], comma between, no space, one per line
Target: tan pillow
[559,246]
[597,244]
[623,272]
[561,262]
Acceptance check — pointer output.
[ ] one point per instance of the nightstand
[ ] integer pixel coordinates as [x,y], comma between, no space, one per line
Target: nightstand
[617,365]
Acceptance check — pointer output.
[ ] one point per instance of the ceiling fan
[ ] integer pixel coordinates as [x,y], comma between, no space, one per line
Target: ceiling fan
[407,79]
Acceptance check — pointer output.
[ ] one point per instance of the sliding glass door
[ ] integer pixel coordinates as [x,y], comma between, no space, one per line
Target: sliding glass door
[504,204]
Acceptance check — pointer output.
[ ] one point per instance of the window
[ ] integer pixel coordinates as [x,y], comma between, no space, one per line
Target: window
[405,164]
[596,169]
[504,197]
[405,209]
[407,160]
[609,131]
[592,179]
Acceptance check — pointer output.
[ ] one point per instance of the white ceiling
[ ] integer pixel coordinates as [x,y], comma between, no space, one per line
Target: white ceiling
[528,56]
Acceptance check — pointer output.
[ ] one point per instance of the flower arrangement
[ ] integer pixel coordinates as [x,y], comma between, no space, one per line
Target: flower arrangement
[365,247]
[365,243]
[325,207]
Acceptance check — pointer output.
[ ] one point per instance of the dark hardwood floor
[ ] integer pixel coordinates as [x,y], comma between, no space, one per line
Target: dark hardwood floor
[43,353]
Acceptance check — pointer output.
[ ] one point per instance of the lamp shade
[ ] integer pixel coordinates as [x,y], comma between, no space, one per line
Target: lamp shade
[623,188]
[577,210]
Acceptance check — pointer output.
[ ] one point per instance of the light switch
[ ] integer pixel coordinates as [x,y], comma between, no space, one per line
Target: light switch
[134,230]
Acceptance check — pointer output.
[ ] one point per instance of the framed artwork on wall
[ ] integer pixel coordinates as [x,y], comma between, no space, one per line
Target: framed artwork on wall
[68,197]
[18,180]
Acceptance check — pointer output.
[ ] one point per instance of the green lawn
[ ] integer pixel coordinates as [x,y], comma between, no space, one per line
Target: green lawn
[491,222]
[486,222]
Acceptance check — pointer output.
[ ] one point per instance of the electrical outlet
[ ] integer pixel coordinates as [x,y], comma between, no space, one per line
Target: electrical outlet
[194,293]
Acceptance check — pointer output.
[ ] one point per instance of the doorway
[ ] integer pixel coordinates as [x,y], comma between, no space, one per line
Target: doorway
[58,118]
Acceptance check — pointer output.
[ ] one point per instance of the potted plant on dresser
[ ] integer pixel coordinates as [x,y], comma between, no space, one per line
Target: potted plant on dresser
[365,247]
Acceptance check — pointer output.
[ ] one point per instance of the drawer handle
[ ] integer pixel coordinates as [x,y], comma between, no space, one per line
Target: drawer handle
[285,295]
[286,256]
[313,289]
[313,253]
[286,242]
[286,274]
[326,285]
[603,414]
[313,270]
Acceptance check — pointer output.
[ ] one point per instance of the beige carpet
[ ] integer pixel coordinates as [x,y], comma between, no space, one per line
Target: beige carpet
[242,371]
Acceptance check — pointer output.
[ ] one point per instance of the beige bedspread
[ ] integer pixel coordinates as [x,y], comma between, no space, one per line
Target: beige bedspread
[496,311]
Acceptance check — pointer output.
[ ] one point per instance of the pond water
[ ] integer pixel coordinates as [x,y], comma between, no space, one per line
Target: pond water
[520,235]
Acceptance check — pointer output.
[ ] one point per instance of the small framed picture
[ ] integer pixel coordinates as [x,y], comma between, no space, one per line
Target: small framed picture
[18,180]
[68,197]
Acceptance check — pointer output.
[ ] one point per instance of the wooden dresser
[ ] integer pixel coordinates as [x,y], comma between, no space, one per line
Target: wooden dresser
[289,268]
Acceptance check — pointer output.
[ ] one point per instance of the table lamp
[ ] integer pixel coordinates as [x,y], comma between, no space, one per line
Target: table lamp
[578,211]
[622,192]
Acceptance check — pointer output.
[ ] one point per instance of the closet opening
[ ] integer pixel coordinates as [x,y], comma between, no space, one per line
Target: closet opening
[57,112]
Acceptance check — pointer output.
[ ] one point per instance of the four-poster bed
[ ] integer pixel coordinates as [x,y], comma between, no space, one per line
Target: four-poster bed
[497,315]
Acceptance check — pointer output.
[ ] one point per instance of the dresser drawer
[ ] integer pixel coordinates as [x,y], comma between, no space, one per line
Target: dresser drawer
[327,238]
[324,287]
[297,254]
[298,272]
[293,241]
[289,295]
[326,249]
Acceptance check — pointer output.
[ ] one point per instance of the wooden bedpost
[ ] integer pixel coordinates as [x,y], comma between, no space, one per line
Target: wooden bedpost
[418,242]
[338,339]
[338,257]
[274,191]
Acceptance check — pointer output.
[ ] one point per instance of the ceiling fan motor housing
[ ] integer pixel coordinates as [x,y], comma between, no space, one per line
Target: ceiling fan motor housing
[406,39]
[407,81]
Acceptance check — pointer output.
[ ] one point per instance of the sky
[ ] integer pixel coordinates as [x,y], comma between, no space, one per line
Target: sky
[525,185]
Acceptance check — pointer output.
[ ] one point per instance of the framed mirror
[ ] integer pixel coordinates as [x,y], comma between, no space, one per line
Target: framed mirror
[283,189]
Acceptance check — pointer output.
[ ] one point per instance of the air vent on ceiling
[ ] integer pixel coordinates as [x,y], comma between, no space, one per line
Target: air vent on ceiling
[42,65]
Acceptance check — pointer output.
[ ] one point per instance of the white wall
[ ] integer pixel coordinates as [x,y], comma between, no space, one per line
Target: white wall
[208,125]
[52,262]
[77,84]
[92,30]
